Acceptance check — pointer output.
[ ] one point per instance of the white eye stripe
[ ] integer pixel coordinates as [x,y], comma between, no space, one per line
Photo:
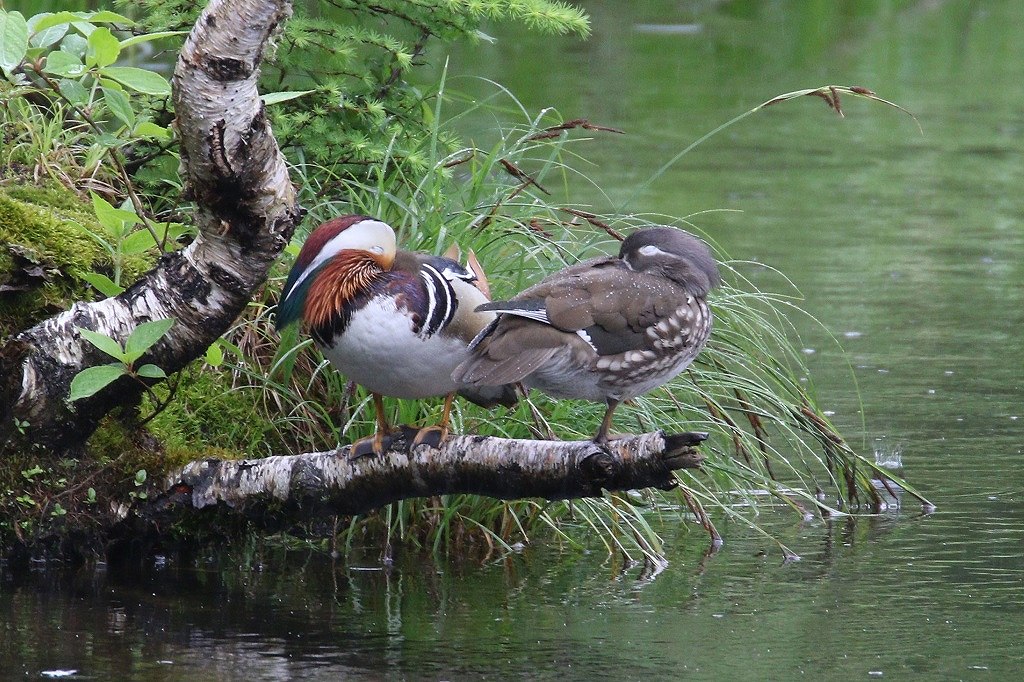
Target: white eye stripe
[351,238]
[651,250]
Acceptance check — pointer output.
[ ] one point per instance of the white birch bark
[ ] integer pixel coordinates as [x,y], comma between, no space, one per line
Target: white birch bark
[246,210]
[332,482]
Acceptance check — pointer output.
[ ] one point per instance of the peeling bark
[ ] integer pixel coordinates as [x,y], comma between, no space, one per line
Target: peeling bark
[301,486]
[246,210]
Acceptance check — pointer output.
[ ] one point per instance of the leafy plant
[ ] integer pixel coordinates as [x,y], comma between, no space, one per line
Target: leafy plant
[70,103]
[120,240]
[91,380]
[139,481]
[352,109]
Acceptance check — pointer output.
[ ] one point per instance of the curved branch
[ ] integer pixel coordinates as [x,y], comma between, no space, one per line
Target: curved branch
[297,487]
[246,210]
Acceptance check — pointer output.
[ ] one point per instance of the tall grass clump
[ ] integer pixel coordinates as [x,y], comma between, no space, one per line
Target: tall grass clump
[768,433]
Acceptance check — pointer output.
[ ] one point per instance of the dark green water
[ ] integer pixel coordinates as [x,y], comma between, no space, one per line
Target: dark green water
[908,247]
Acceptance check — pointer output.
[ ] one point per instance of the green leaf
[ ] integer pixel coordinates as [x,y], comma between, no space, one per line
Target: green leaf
[44,37]
[74,44]
[140,476]
[113,219]
[151,372]
[119,105]
[106,17]
[175,231]
[139,241]
[48,21]
[215,355]
[103,48]
[144,336]
[84,27]
[91,380]
[108,140]
[13,39]
[104,343]
[61,63]
[231,348]
[29,474]
[74,91]
[275,97]
[102,283]
[81,20]
[150,129]
[146,82]
[145,37]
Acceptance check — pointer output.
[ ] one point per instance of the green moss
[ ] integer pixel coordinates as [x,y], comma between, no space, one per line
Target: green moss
[51,234]
[44,252]
[53,196]
[45,249]
[207,414]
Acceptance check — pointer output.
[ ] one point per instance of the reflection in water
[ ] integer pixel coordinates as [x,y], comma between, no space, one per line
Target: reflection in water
[911,243]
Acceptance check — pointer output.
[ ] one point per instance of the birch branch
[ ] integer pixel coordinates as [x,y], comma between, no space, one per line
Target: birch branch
[301,486]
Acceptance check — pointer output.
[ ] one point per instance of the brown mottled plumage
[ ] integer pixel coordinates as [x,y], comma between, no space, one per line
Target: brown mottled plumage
[607,329]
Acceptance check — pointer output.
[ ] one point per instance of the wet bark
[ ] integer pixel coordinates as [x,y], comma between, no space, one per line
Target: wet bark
[299,487]
[246,210]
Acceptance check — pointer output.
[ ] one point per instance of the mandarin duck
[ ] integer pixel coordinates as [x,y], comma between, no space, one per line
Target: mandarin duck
[393,321]
[607,329]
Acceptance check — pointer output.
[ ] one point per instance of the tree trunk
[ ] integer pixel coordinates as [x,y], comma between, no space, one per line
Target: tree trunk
[246,211]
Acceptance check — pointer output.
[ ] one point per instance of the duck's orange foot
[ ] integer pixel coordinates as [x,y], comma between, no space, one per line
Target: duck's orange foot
[377,444]
[431,436]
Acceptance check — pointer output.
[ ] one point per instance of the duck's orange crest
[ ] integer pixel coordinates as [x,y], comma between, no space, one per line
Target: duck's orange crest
[340,281]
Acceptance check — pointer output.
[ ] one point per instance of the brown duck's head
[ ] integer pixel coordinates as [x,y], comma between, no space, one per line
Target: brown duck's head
[672,253]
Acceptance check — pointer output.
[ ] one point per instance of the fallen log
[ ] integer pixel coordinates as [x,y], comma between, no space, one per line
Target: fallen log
[299,486]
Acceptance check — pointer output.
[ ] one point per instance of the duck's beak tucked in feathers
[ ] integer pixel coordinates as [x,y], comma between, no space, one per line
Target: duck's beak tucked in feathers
[607,329]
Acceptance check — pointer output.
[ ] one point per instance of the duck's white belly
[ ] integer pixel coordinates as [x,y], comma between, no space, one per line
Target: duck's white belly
[380,351]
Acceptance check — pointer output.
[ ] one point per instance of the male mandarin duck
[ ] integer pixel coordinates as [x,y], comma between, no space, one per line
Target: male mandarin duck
[396,322]
[607,329]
